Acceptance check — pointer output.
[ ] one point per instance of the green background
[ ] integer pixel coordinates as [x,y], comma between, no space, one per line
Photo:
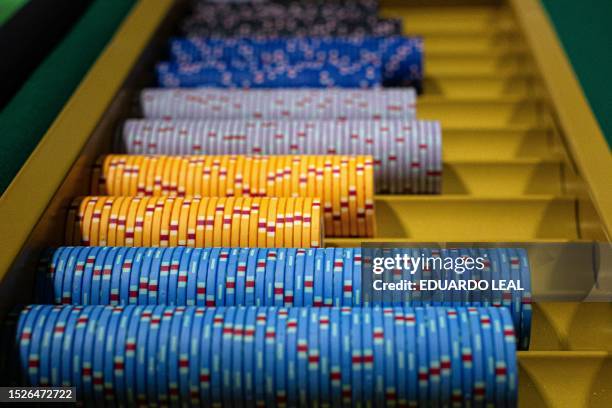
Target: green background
[583,28]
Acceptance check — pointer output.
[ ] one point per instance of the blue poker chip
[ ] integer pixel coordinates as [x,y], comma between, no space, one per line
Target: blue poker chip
[114,279]
[270,270]
[357,262]
[291,356]
[308,279]
[526,307]
[130,355]
[346,355]
[313,356]
[248,356]
[501,365]
[251,272]
[230,278]
[202,268]
[467,354]
[288,285]
[433,354]
[151,356]
[509,340]
[413,355]
[279,277]
[400,358]
[44,371]
[445,355]
[120,355]
[324,355]
[422,356]
[237,347]
[195,356]
[280,376]
[241,271]
[53,328]
[302,356]
[127,271]
[91,277]
[175,268]
[215,355]
[35,328]
[192,278]
[479,385]
[221,277]
[134,276]
[86,370]
[98,368]
[327,277]
[226,345]
[515,277]
[259,367]
[164,275]
[69,270]
[56,350]
[298,280]
[390,346]
[144,278]
[211,278]
[72,281]
[113,357]
[335,357]
[259,282]
[486,332]
[367,331]
[174,357]
[103,281]
[58,265]
[357,355]
[184,362]
[67,346]
[269,357]
[162,355]
[346,298]
[452,323]
[144,319]
[378,354]
[77,347]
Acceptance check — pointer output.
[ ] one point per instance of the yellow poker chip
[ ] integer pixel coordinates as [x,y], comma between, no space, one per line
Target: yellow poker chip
[303,177]
[119,237]
[287,176]
[298,211]
[162,174]
[174,175]
[93,214]
[223,164]
[336,195]
[164,228]
[344,196]
[271,222]
[147,225]
[328,195]
[105,221]
[207,177]
[109,171]
[319,173]
[130,221]
[369,197]
[316,226]
[279,232]
[294,185]
[190,175]
[191,223]
[239,176]
[214,177]
[245,216]
[236,222]
[117,181]
[209,223]
[200,225]
[311,176]
[230,189]
[279,188]
[352,195]
[307,222]
[262,182]
[82,223]
[228,210]
[198,163]
[288,232]
[251,174]
[360,184]
[262,224]
[254,222]
[218,232]
[139,221]
[157,220]
[141,177]
[126,177]
[154,178]
[96,177]
[181,181]
[175,220]
[149,177]
[137,166]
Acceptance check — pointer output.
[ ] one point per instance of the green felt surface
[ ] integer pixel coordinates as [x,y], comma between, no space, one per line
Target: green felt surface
[9,7]
[28,115]
[586,33]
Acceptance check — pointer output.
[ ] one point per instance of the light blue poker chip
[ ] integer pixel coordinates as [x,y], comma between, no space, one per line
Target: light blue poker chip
[327,277]
[241,271]
[195,356]
[154,389]
[102,332]
[379,337]
[291,356]
[324,355]
[313,356]
[145,276]
[300,266]
[270,359]
[176,266]
[335,357]
[509,340]
[164,275]
[216,344]
[279,277]
[400,358]
[446,368]
[422,356]
[288,285]
[191,279]
[367,331]
[231,278]
[413,354]
[54,358]
[221,282]
[501,363]
[249,355]
[128,269]
[479,385]
[249,285]
[68,346]
[211,278]
[390,345]
[302,356]
[141,383]
[268,273]
[113,357]
[348,296]
[133,279]
[237,371]
[260,277]
[309,278]
[259,356]
[434,354]
[226,345]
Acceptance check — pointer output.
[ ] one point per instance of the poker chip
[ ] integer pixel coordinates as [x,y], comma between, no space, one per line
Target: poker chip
[347,354]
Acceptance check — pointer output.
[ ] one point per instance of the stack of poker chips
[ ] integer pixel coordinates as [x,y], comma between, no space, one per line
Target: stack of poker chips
[273,277]
[344,184]
[406,154]
[271,356]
